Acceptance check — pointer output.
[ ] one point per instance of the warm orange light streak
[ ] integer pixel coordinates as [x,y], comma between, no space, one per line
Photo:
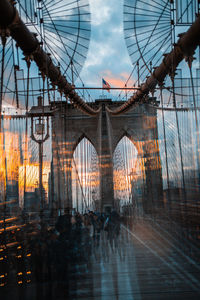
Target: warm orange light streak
[8,202]
[12,227]
[8,220]
[11,244]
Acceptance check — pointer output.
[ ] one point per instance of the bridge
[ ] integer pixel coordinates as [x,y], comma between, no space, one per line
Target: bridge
[99,197]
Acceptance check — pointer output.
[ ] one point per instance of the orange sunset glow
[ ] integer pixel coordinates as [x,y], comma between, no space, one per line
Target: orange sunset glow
[119,80]
[32,178]
[13,165]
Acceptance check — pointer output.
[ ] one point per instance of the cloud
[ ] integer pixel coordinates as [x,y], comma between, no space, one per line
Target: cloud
[100,13]
[117,80]
[99,52]
[107,55]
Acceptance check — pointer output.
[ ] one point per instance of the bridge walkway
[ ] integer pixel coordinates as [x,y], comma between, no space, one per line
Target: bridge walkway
[143,262]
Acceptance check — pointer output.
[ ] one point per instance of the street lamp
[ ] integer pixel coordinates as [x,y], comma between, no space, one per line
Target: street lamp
[39,118]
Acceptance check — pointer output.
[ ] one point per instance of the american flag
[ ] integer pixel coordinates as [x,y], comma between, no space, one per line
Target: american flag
[106,85]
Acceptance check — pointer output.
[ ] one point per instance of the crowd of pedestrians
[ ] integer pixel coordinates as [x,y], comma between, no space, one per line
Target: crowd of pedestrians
[52,253]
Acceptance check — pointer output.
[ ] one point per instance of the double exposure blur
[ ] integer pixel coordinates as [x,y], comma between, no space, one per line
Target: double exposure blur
[99,197]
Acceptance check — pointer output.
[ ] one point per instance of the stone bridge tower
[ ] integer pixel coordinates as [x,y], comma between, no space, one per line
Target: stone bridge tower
[104,131]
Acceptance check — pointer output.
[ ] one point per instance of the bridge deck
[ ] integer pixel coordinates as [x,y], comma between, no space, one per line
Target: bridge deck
[143,262]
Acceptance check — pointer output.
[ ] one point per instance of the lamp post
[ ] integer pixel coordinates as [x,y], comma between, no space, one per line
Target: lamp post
[38,134]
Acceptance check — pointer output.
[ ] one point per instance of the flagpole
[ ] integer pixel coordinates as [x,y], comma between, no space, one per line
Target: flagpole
[102,89]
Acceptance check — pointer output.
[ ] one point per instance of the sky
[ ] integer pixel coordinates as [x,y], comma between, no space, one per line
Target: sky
[107,55]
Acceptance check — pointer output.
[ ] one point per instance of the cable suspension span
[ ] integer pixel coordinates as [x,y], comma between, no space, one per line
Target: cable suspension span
[184,48]
[27,41]
[29,44]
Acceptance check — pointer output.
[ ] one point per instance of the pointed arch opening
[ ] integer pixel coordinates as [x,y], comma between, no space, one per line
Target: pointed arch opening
[85,177]
[127,176]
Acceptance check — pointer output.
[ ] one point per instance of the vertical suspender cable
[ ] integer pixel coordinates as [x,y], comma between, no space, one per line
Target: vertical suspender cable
[5,194]
[196,121]
[2,141]
[138,71]
[3,39]
[197,125]
[77,193]
[81,187]
[72,71]
[41,151]
[26,129]
[87,187]
[174,100]
[165,143]
[85,168]
[15,77]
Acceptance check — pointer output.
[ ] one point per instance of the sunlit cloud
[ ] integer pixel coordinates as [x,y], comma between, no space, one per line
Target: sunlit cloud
[117,80]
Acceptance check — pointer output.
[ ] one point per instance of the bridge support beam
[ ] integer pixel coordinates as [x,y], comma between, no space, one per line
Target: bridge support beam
[105,163]
[153,197]
[62,165]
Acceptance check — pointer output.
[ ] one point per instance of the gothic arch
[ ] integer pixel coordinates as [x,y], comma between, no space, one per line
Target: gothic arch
[85,175]
[126,169]
[79,139]
[129,136]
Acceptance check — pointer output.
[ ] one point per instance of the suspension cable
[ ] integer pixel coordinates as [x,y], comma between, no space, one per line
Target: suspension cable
[159,73]
[165,143]
[188,41]
[79,180]
[28,62]
[196,118]
[3,39]
[15,77]
[31,46]
[2,141]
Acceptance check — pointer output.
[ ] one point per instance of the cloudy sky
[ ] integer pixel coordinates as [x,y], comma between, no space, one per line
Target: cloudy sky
[107,56]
